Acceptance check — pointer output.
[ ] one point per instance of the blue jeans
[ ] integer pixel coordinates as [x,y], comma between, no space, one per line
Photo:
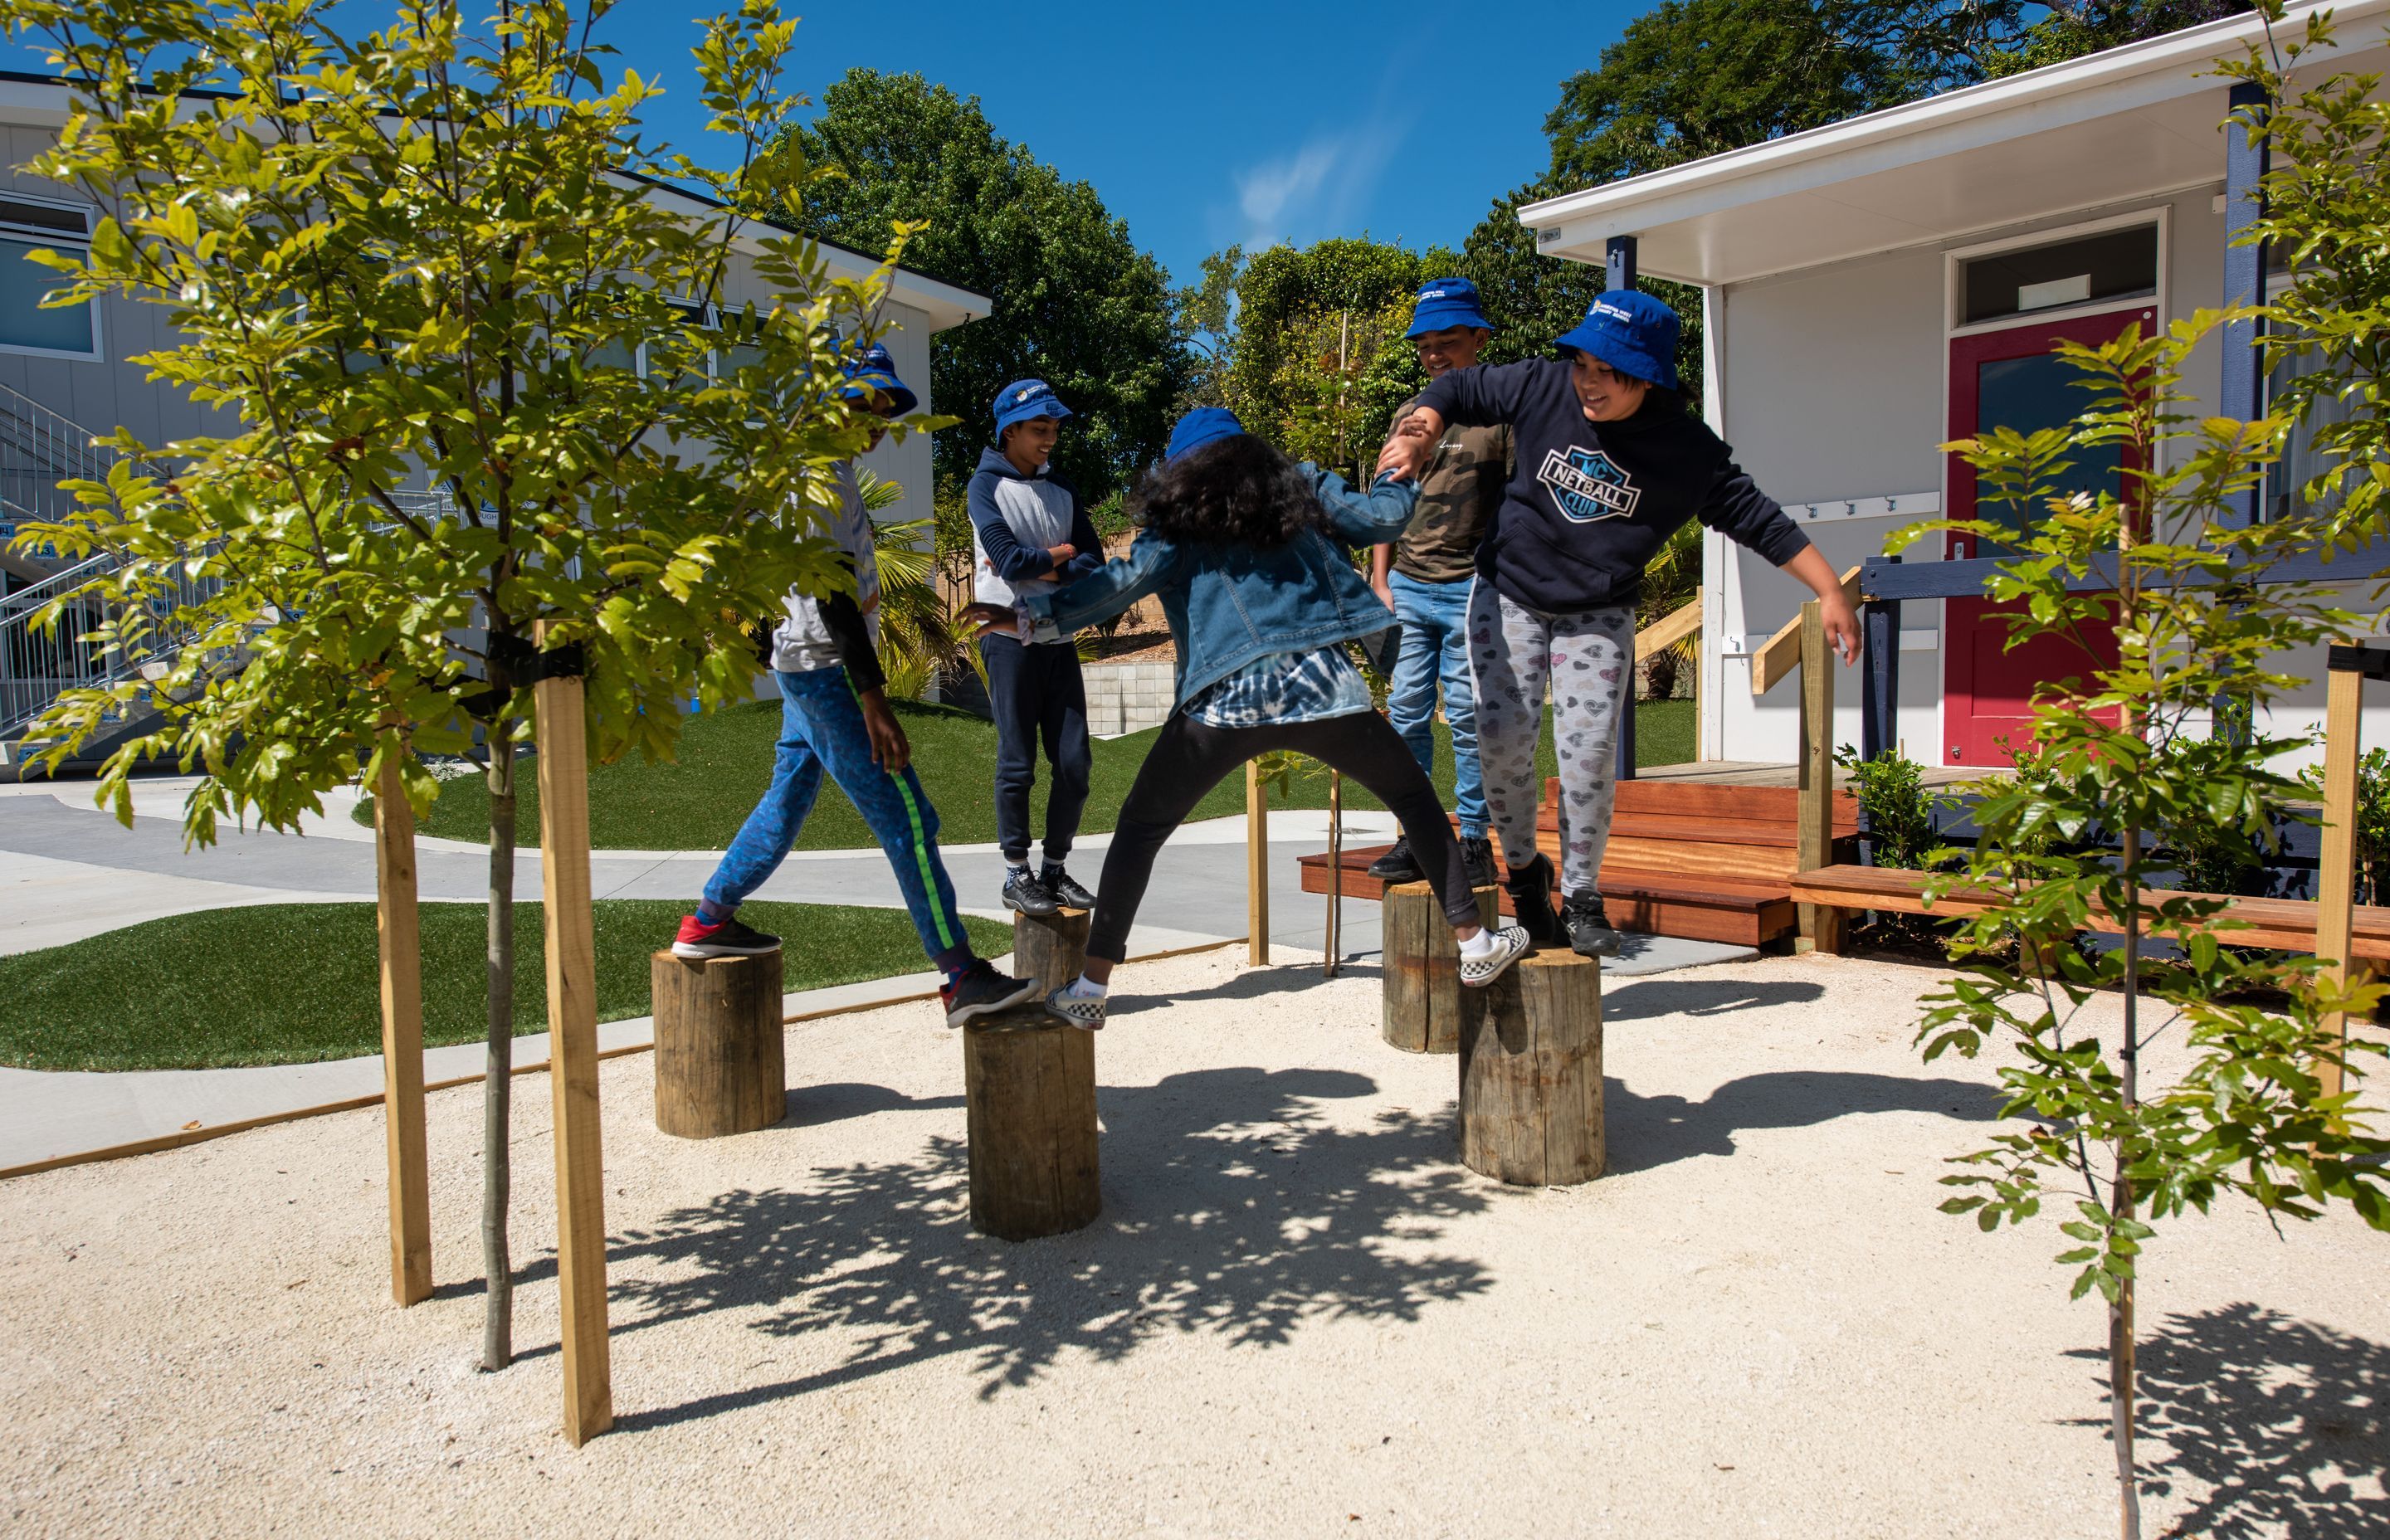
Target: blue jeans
[1433,618]
[821,728]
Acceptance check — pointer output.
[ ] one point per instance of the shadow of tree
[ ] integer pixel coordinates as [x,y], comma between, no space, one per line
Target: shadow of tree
[1255,984]
[2281,1422]
[1644,1132]
[1232,1206]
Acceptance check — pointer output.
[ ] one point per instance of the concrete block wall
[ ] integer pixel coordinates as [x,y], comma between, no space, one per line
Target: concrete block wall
[1129,698]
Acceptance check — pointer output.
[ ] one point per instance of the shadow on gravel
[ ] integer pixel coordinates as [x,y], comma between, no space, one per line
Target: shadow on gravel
[2283,1423]
[1645,1132]
[1253,984]
[1643,999]
[1231,1207]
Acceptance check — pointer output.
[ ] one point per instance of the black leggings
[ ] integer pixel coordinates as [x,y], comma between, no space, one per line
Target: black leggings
[1188,759]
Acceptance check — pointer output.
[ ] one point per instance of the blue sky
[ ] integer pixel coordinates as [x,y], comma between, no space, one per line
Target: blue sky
[1203,125]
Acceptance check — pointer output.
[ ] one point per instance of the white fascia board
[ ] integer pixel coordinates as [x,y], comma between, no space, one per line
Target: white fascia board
[2116,80]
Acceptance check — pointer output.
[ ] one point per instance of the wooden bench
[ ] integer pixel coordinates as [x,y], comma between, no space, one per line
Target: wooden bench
[2287,924]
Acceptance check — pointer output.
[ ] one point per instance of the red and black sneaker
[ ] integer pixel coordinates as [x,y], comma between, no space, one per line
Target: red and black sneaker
[727,939]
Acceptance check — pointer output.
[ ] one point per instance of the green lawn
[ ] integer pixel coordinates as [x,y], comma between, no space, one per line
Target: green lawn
[726,761]
[291,983]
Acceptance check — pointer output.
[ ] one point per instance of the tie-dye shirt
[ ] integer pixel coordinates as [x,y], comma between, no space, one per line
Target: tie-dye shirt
[1284,686]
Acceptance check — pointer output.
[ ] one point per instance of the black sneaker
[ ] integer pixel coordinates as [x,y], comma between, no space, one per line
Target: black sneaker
[1024,893]
[730,939]
[1531,899]
[1589,927]
[1398,864]
[983,992]
[1479,853]
[1068,893]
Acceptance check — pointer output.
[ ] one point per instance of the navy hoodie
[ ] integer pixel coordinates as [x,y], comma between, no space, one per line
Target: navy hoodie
[1591,503]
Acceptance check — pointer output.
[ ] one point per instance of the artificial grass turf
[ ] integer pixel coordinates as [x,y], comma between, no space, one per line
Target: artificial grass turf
[726,763]
[291,983]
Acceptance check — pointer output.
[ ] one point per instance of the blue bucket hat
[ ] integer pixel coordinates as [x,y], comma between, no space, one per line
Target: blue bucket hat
[1631,331]
[1024,399]
[1201,426]
[1447,302]
[872,369]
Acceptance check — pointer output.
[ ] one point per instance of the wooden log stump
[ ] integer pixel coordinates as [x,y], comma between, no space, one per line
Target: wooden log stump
[1422,968]
[1029,1094]
[1052,950]
[1531,1073]
[720,1068]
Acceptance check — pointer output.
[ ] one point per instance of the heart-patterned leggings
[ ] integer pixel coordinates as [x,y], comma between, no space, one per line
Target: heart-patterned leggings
[1513,651]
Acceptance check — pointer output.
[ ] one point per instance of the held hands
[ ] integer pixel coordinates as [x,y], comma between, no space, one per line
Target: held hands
[1060,553]
[1404,456]
[995,620]
[889,748]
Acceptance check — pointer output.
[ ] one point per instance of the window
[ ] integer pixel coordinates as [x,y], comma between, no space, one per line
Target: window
[2111,264]
[28,226]
[2288,477]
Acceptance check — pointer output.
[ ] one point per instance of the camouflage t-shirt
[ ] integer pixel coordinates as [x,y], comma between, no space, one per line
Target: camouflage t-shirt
[1457,498]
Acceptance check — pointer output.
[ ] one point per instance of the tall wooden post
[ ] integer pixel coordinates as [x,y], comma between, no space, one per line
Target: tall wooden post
[1820,924]
[400,927]
[1256,867]
[2336,875]
[1335,870]
[572,1048]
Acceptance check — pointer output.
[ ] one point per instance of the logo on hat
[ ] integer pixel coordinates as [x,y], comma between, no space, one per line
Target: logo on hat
[1603,307]
[1026,394]
[1588,485]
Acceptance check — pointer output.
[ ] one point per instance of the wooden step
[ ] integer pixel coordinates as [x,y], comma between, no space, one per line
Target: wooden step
[1761,805]
[1663,902]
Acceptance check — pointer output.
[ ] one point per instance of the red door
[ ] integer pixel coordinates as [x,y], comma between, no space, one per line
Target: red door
[2013,378]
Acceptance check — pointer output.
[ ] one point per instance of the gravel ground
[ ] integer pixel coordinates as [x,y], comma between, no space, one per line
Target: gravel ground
[1297,1315]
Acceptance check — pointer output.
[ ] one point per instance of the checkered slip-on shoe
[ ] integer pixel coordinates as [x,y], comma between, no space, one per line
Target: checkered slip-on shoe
[1511,944]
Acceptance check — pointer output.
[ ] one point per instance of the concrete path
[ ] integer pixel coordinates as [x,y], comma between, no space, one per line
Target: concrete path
[68,870]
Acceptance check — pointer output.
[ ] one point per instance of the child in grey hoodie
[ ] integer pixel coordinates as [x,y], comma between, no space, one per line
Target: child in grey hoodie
[1029,535]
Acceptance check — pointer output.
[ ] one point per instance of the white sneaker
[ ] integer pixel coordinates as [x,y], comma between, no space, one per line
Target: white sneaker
[1076,1009]
[1511,944]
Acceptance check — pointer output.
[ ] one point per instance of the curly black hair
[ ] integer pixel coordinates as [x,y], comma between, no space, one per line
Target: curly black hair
[1236,491]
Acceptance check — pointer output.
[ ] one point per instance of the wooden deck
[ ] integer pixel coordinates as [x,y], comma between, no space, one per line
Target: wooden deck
[1744,771]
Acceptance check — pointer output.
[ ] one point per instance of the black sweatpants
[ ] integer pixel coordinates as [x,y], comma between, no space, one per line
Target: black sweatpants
[1037,694]
[1188,759]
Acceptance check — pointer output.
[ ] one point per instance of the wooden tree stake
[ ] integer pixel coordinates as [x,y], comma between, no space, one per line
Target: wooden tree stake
[1256,867]
[402,1040]
[1422,1006]
[1029,1094]
[1052,951]
[1531,1073]
[572,1056]
[2336,872]
[1820,924]
[1336,872]
[721,1065]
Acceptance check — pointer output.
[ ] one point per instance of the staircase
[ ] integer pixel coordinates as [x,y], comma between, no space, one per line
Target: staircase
[1697,859]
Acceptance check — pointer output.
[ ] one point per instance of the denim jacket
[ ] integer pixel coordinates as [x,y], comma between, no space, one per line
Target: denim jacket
[1228,605]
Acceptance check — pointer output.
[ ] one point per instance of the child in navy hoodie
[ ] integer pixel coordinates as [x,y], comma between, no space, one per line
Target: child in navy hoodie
[1029,535]
[1610,466]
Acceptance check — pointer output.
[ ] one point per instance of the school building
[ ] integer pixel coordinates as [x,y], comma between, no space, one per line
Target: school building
[1874,288]
[65,377]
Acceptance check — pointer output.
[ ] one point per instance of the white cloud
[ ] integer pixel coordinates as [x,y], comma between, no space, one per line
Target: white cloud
[1318,188]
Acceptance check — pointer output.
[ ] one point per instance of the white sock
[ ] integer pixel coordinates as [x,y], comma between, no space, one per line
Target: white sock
[1479,945]
[1085,988]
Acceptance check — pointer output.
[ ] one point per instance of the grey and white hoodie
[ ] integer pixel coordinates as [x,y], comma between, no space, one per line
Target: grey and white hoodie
[1015,521]
[819,634]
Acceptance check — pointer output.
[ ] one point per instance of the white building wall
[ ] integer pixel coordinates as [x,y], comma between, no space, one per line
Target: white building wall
[1834,389]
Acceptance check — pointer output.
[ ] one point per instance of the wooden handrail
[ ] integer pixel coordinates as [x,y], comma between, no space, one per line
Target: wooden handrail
[1782,653]
[1668,630]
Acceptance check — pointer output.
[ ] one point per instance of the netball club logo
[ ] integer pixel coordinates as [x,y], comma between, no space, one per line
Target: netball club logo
[1588,486]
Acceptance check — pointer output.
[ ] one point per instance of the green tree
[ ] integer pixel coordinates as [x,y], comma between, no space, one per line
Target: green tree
[1075,302]
[2127,771]
[428,258]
